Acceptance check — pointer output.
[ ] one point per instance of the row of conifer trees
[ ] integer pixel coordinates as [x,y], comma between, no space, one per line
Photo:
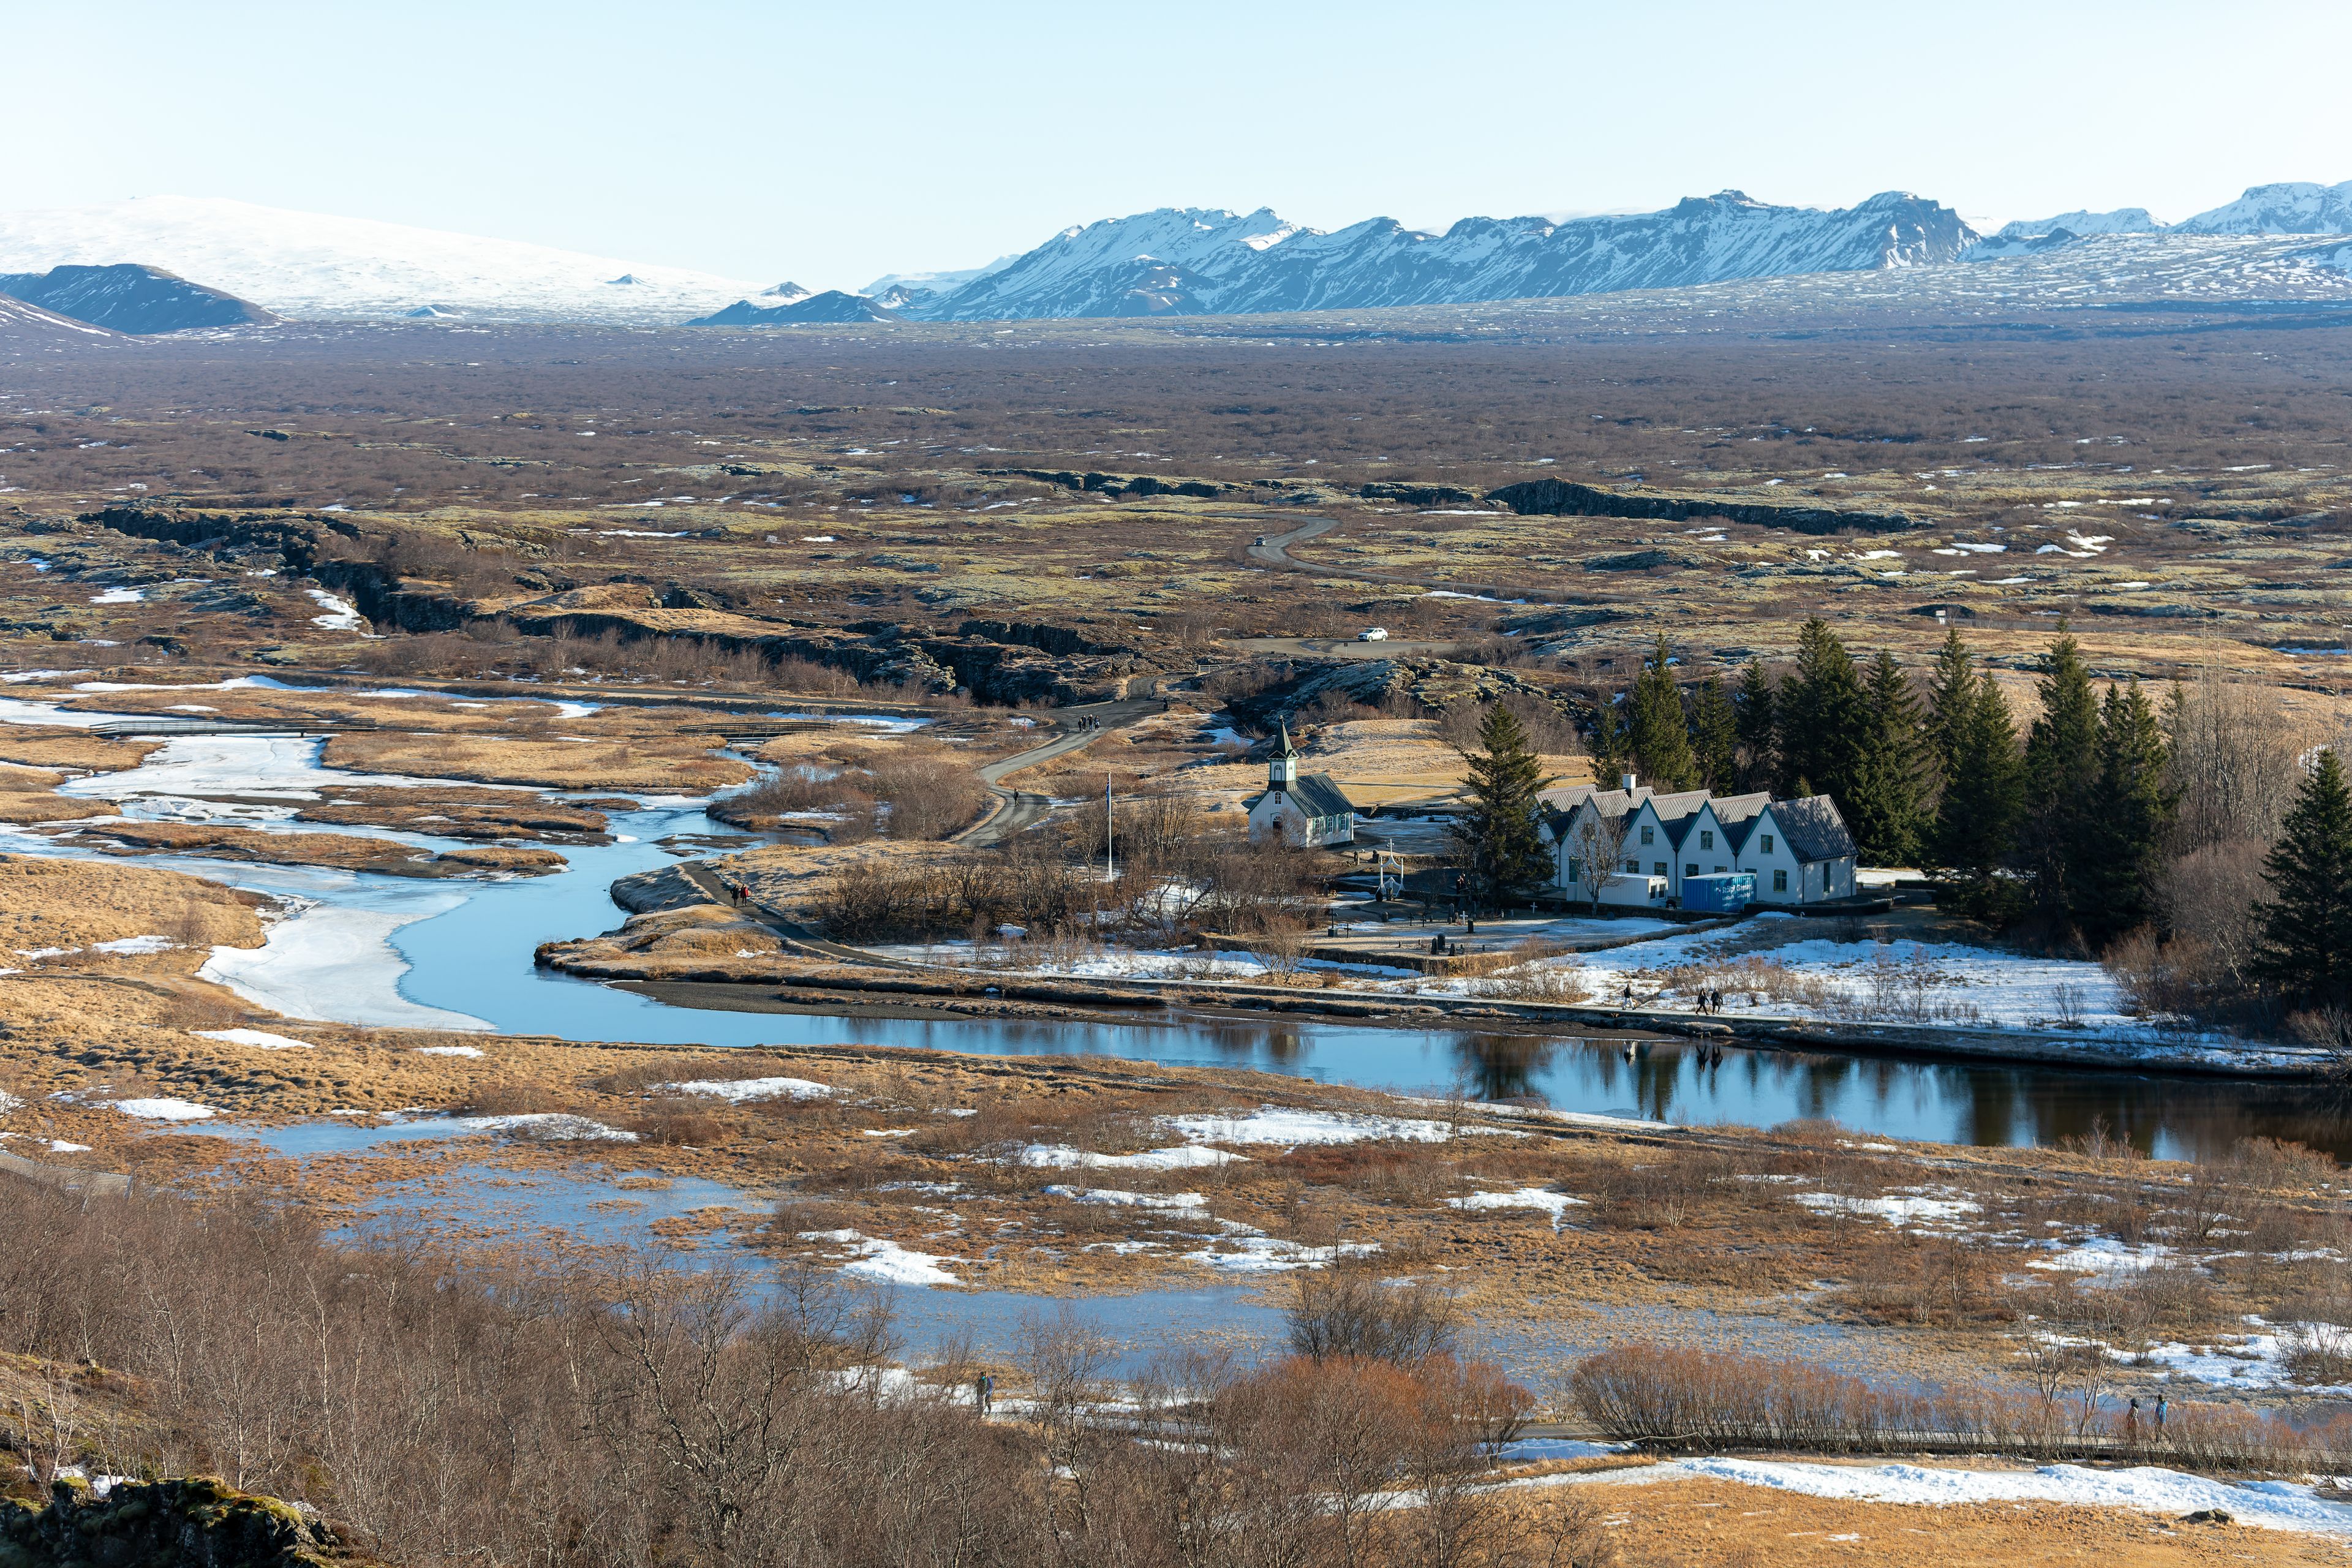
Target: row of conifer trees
[2066,822]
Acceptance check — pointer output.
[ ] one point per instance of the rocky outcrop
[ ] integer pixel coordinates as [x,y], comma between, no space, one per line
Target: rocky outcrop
[199,1522]
[1115,486]
[1436,684]
[1420,495]
[1564,498]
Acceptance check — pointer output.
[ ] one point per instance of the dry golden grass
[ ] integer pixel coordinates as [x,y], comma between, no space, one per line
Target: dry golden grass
[659,765]
[1718,1524]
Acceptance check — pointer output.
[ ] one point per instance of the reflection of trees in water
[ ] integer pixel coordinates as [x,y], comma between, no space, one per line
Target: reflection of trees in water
[1503,1066]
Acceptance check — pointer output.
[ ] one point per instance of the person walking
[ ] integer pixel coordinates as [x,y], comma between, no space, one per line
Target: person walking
[2160,1401]
[2131,1426]
[983,1390]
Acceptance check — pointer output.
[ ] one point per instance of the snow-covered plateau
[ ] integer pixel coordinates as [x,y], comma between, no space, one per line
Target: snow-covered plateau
[313,266]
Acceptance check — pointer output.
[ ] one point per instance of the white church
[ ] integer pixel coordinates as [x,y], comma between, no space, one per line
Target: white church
[1306,812]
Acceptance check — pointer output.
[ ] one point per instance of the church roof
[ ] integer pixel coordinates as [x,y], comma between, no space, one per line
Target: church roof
[1315,795]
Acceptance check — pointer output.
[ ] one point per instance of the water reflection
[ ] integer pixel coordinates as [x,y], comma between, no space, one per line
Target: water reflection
[2174,1117]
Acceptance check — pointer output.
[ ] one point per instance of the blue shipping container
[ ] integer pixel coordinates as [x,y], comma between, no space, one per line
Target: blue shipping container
[1723,893]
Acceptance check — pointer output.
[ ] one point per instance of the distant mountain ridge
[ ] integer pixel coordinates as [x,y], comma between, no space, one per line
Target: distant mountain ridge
[166,263]
[313,266]
[1201,261]
[129,298]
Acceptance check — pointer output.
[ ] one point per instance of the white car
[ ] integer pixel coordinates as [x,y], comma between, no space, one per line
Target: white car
[1373,634]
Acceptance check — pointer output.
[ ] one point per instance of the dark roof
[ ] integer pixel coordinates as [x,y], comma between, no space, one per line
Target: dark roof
[1677,811]
[1319,794]
[1560,804]
[1739,814]
[1316,794]
[1813,828]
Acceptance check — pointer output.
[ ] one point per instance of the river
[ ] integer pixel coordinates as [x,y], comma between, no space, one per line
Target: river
[459,954]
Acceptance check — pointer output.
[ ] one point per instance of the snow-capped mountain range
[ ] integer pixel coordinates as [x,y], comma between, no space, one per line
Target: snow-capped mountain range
[1171,261]
[1193,261]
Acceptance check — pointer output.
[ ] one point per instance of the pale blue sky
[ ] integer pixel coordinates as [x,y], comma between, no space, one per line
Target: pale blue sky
[828,143]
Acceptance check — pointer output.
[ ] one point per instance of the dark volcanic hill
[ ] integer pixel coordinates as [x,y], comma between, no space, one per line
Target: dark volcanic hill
[129,298]
[832,306]
[24,326]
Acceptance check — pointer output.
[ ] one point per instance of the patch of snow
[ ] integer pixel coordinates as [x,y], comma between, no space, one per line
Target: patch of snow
[1062,1157]
[259,1040]
[885,1260]
[1119,1198]
[2145,1488]
[1895,1211]
[342,615]
[548,1124]
[164,1110]
[448,1050]
[338,966]
[1275,1124]
[134,944]
[120,596]
[741,1090]
[1556,1205]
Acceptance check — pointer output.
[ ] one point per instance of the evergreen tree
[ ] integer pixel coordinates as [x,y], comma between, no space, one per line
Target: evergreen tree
[2126,825]
[1976,824]
[1498,833]
[2307,923]
[2062,771]
[1758,730]
[1658,735]
[1824,717]
[1951,701]
[1715,735]
[1885,804]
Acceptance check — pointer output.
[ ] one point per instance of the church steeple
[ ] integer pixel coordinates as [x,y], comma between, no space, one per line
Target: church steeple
[1282,772]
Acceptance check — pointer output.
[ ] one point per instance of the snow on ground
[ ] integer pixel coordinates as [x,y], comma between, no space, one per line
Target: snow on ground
[338,966]
[277,767]
[548,1124]
[118,597]
[1062,1157]
[2255,1361]
[134,944]
[1895,1211]
[259,1040]
[342,615]
[1121,1199]
[2105,1255]
[1557,1205]
[448,1050]
[1277,1124]
[885,1260]
[1272,1255]
[1111,962]
[741,1090]
[164,1110]
[2145,1489]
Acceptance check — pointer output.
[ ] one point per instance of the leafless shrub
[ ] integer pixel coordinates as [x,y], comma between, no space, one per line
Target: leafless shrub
[1350,1313]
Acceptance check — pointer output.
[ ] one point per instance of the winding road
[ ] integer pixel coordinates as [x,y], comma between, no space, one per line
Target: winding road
[1274,550]
[1019,810]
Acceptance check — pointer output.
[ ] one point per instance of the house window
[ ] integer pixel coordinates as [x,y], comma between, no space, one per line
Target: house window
[1659,869]
[1691,869]
[1779,881]
[1632,865]
[1706,839]
[1720,870]
[1649,835]
[1575,871]
[1768,844]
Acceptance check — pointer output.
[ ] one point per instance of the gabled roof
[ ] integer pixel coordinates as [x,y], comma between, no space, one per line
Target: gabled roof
[1319,794]
[1314,795]
[1676,812]
[1813,828]
[1560,803]
[1739,814]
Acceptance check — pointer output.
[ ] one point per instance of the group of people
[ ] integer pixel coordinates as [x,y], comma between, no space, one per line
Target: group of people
[1710,1003]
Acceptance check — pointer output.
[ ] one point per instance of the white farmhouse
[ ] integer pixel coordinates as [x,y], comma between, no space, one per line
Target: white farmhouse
[1308,812]
[1799,850]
